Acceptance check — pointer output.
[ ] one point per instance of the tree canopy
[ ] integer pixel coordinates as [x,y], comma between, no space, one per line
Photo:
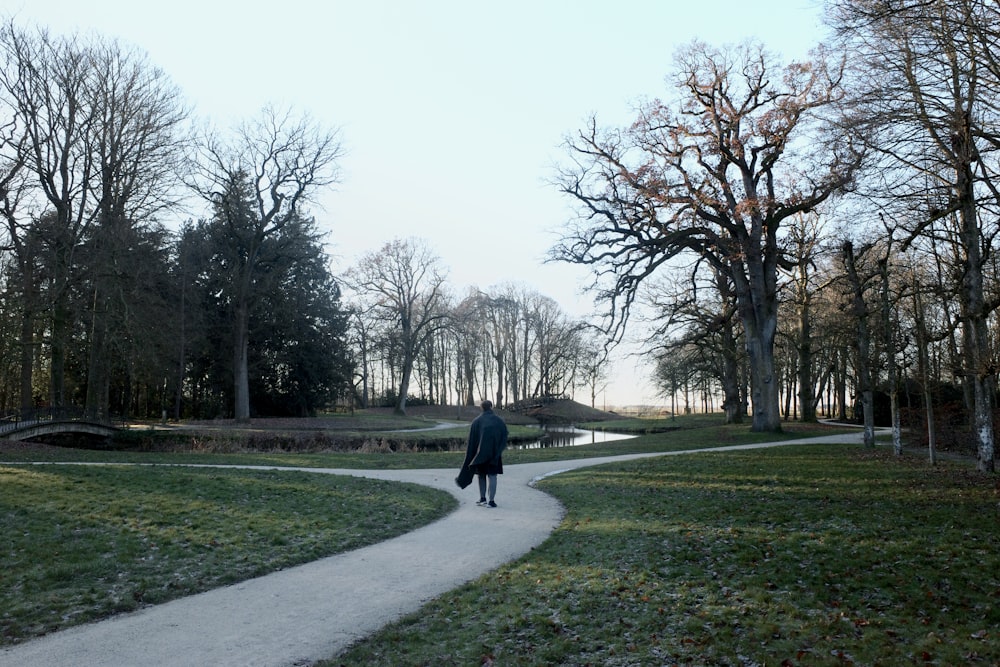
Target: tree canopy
[715,173]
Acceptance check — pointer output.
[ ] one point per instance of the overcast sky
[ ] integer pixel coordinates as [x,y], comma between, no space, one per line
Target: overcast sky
[453,112]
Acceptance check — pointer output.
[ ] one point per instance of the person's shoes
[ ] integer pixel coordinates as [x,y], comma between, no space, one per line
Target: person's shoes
[481,502]
[491,504]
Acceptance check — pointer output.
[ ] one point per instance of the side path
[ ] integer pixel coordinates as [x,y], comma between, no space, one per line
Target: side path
[310,612]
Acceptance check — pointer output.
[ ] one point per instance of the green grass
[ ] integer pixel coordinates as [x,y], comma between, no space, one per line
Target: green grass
[656,425]
[805,555]
[79,543]
[693,434]
[82,542]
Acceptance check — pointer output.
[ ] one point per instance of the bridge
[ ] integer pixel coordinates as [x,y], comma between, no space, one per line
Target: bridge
[35,423]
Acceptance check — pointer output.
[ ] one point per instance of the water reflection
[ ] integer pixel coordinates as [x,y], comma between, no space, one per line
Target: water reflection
[570,436]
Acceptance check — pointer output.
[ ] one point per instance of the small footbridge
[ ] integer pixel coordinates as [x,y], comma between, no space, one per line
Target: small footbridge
[36,423]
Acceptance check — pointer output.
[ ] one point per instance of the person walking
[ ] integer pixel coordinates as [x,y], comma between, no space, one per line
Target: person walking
[484,454]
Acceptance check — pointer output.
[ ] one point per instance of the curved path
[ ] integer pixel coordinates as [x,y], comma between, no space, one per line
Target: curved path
[311,612]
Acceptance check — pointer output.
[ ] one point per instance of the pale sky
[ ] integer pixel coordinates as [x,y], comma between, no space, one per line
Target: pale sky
[453,112]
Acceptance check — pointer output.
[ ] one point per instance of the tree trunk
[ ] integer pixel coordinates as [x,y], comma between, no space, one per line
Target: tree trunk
[181,353]
[789,392]
[673,399]
[27,362]
[98,375]
[860,312]
[732,403]
[365,374]
[27,355]
[890,360]
[923,368]
[931,426]
[404,385]
[764,398]
[840,387]
[406,372]
[60,334]
[754,278]
[500,382]
[983,417]
[976,342]
[241,371]
[470,382]
[759,314]
[807,397]
[96,402]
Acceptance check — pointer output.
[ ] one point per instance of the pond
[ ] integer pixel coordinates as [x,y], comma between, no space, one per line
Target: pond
[570,436]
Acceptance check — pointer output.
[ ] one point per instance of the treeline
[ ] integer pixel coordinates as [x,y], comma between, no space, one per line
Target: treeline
[416,341]
[236,313]
[813,233]
[802,237]
[103,307]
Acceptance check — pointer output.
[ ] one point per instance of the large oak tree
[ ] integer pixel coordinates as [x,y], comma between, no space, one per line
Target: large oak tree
[741,148]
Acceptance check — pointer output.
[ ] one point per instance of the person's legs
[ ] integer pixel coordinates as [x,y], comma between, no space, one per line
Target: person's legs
[493,487]
[482,487]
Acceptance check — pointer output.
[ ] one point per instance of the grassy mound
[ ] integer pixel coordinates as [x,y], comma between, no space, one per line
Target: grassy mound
[540,411]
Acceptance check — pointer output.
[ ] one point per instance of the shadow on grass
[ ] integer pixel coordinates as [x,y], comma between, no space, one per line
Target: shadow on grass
[805,555]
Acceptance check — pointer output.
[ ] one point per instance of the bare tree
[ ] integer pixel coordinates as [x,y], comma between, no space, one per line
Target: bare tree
[516,314]
[676,368]
[257,183]
[23,243]
[804,243]
[138,146]
[361,336]
[45,80]
[716,175]
[500,312]
[403,284]
[517,342]
[927,96]
[700,310]
[923,343]
[594,371]
[558,348]
[97,136]
[463,325]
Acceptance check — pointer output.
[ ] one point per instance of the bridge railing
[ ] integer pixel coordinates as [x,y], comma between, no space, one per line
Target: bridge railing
[63,414]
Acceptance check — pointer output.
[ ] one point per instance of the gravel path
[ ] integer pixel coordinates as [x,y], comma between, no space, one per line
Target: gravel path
[311,612]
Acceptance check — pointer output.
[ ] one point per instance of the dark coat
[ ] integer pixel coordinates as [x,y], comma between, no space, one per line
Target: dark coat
[483,453]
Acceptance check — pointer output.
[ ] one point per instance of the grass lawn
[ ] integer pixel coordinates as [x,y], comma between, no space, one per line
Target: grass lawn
[688,432]
[79,543]
[805,555]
